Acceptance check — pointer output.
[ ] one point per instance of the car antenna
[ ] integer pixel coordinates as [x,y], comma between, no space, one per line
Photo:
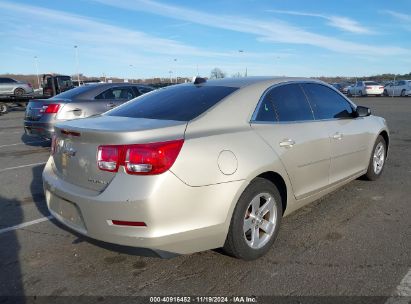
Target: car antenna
[199,80]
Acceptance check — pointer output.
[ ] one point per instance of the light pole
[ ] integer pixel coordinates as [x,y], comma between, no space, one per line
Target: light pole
[171,73]
[37,70]
[175,69]
[77,64]
[242,52]
[131,69]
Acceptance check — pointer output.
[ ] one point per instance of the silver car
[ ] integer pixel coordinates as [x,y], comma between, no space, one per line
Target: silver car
[88,100]
[210,164]
[12,87]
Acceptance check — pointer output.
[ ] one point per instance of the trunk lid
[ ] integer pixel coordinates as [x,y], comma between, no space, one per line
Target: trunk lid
[34,107]
[75,159]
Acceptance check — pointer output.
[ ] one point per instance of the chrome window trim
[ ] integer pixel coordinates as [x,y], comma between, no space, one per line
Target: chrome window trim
[257,108]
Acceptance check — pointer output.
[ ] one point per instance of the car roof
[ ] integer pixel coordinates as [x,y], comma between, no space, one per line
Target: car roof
[111,84]
[240,82]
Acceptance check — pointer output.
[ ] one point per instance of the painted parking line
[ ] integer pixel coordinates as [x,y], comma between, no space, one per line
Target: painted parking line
[29,142]
[402,294]
[14,132]
[23,166]
[22,225]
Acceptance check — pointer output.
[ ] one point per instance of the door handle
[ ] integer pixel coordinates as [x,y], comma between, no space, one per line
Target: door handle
[111,105]
[287,143]
[77,111]
[338,136]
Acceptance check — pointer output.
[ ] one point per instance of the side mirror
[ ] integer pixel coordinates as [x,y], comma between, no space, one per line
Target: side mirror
[362,111]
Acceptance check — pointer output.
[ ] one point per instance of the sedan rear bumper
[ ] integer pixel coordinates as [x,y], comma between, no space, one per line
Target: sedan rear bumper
[38,129]
[179,218]
[374,91]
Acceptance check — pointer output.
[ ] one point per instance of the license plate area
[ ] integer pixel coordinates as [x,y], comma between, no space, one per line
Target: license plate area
[67,212]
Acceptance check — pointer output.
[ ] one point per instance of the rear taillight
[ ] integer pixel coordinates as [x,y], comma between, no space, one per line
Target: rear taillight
[108,158]
[139,159]
[50,109]
[381,87]
[29,84]
[368,88]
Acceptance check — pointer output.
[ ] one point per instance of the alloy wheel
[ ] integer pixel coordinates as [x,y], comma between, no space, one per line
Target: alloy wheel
[260,220]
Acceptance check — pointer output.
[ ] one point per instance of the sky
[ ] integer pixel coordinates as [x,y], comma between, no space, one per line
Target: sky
[144,38]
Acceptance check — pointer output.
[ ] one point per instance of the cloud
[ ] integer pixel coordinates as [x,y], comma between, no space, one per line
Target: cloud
[52,34]
[273,31]
[342,23]
[404,19]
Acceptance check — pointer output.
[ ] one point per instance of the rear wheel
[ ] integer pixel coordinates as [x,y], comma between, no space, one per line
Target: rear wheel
[255,222]
[377,160]
[385,93]
[349,93]
[403,93]
[19,92]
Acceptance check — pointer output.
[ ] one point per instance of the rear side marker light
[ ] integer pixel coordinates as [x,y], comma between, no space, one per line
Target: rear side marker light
[128,223]
[139,159]
[68,132]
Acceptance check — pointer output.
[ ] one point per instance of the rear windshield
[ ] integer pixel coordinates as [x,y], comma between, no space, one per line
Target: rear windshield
[73,92]
[371,83]
[181,103]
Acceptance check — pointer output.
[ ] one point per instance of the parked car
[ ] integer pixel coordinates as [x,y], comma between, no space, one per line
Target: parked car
[10,87]
[398,88]
[366,88]
[42,114]
[341,86]
[338,86]
[209,164]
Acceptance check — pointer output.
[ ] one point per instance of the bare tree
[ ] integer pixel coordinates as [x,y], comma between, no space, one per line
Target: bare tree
[217,73]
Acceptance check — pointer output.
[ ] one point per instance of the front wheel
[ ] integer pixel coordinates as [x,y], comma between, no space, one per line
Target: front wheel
[255,221]
[377,160]
[19,92]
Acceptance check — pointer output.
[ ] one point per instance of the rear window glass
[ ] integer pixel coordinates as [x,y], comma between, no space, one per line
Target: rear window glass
[371,83]
[74,92]
[181,103]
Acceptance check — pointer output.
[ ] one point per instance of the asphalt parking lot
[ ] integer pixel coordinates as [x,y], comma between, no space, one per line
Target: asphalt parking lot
[354,242]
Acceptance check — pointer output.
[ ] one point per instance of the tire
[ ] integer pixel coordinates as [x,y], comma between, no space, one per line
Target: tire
[374,171]
[242,244]
[349,94]
[3,108]
[385,93]
[360,94]
[19,92]
[403,93]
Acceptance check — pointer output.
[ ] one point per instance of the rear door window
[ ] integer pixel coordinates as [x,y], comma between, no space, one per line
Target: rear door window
[285,103]
[181,103]
[326,103]
[7,80]
[115,93]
